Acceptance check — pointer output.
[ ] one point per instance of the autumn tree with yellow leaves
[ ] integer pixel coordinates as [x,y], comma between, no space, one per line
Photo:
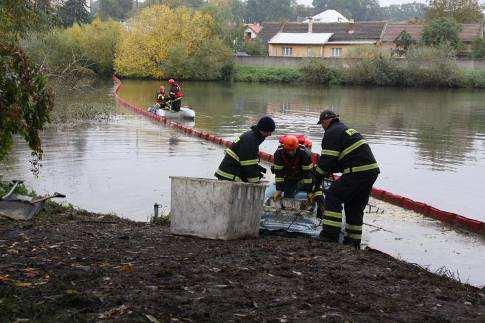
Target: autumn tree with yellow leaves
[161,42]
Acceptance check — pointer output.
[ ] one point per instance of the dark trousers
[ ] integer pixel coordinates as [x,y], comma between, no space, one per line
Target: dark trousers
[176,105]
[353,191]
[291,187]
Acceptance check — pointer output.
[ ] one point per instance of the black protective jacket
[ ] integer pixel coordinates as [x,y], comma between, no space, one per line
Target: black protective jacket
[293,168]
[241,159]
[175,91]
[344,151]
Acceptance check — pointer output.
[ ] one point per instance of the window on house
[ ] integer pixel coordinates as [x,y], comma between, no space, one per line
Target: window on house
[287,51]
[336,52]
[312,52]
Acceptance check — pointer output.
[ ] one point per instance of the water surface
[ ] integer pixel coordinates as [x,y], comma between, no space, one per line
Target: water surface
[430,144]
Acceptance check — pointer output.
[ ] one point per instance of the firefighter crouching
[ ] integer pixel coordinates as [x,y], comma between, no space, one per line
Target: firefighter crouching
[292,168]
[344,151]
[241,160]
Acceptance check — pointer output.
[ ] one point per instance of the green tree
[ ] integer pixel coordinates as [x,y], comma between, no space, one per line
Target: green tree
[360,10]
[269,10]
[407,11]
[25,100]
[194,4]
[116,9]
[16,18]
[256,47]
[462,11]
[442,32]
[478,48]
[302,11]
[403,42]
[228,18]
[73,11]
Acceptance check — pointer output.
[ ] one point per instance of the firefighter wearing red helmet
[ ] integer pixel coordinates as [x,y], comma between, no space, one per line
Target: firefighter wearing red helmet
[292,168]
[176,95]
[161,97]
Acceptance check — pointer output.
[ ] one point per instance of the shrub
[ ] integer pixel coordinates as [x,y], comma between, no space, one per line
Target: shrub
[478,48]
[431,67]
[76,51]
[442,31]
[256,47]
[318,71]
[161,42]
[474,78]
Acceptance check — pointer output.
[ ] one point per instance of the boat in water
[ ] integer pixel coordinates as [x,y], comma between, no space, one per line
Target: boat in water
[185,112]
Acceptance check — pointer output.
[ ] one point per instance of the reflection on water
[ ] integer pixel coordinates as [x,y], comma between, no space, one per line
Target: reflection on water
[121,167]
[430,144]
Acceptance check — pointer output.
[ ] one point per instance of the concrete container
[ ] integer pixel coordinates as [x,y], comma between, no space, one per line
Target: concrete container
[214,209]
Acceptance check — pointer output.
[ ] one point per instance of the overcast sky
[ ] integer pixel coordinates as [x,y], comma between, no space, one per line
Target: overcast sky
[382,2]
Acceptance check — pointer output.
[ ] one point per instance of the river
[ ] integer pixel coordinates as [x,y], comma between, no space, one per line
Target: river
[430,144]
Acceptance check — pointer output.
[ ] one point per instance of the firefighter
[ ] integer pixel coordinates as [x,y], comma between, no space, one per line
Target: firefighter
[241,160]
[344,151]
[161,97]
[176,95]
[292,168]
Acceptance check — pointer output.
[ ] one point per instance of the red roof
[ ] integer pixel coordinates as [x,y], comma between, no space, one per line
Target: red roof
[254,27]
[392,30]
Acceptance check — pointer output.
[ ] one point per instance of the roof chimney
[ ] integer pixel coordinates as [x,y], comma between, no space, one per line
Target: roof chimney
[310,24]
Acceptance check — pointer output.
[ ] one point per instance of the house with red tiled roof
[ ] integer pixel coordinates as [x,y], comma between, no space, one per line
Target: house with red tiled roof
[468,33]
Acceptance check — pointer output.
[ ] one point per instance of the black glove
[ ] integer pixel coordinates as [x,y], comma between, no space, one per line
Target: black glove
[261,170]
[320,210]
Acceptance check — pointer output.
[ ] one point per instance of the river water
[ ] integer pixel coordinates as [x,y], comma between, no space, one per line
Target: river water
[430,144]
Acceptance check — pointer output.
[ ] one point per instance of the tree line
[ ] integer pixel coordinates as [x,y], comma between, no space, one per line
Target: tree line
[67,12]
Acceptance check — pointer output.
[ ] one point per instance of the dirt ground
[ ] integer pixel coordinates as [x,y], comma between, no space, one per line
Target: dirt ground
[71,265]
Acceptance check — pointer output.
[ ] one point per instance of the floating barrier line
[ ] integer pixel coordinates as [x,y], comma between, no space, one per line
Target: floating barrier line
[404,202]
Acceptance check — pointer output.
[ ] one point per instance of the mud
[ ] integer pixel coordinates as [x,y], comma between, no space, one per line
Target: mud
[74,265]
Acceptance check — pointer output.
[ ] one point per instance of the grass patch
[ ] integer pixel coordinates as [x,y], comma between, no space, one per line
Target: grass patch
[266,74]
[80,112]
[474,78]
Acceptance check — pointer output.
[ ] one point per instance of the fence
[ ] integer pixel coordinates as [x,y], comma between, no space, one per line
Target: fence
[295,62]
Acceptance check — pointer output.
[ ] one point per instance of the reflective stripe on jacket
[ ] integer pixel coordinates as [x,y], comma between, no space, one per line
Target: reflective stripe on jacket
[241,159]
[293,168]
[344,150]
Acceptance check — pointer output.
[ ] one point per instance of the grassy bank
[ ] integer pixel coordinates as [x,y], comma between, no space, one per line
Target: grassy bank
[266,74]
[377,72]
[73,265]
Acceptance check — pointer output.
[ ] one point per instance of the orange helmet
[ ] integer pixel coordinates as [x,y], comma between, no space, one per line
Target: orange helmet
[290,143]
[308,143]
[162,89]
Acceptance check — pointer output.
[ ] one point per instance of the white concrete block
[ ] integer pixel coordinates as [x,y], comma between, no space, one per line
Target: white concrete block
[209,208]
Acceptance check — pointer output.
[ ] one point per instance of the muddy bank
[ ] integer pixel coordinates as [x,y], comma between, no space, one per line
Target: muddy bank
[73,265]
